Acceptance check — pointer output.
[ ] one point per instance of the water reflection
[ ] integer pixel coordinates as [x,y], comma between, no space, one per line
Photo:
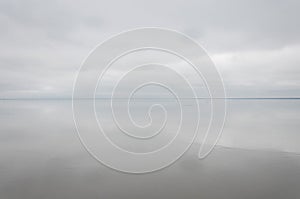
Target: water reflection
[41,157]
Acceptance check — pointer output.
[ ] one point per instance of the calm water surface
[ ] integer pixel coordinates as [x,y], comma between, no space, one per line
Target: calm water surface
[256,157]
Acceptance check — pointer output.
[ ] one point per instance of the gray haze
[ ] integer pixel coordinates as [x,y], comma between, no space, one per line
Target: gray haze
[255,44]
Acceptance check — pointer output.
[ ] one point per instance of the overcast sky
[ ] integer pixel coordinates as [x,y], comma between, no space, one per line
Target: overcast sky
[255,44]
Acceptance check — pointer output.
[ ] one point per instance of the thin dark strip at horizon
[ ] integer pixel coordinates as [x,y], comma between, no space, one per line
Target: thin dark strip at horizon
[106,98]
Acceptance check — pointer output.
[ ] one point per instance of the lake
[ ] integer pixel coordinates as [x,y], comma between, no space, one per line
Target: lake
[257,155]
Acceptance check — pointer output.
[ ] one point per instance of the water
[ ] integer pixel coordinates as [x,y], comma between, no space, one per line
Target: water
[257,156]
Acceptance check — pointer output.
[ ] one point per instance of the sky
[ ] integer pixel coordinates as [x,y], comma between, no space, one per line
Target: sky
[254,44]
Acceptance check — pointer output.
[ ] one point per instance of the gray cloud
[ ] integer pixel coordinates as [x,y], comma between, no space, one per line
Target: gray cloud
[255,44]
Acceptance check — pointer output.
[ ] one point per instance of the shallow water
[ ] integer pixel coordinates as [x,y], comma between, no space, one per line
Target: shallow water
[257,155]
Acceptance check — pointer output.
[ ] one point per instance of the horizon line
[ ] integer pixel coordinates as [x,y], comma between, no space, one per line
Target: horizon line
[103,98]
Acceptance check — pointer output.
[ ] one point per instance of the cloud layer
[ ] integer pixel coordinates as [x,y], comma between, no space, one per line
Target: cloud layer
[255,44]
